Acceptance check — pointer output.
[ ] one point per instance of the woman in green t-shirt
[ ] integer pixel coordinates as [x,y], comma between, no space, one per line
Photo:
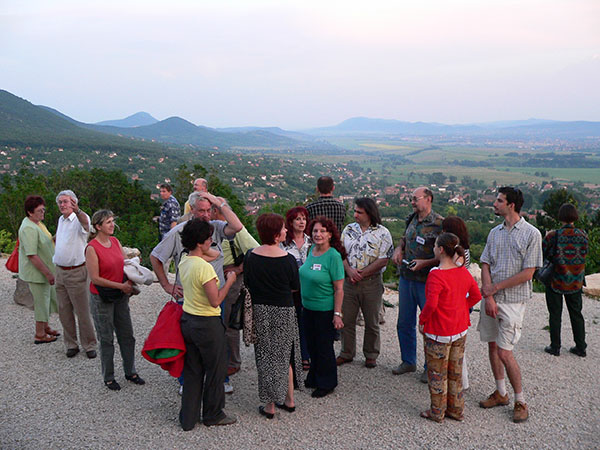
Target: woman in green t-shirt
[322,281]
[205,364]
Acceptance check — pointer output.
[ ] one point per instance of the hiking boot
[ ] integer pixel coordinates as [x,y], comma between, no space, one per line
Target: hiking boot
[404,368]
[495,399]
[521,413]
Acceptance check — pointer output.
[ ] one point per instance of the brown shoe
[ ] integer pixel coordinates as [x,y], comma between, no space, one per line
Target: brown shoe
[521,412]
[370,363]
[495,399]
[341,360]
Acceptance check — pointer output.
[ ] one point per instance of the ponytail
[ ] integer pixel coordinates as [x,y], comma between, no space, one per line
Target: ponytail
[451,245]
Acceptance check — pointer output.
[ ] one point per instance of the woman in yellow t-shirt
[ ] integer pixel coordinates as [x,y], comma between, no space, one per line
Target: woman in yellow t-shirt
[205,364]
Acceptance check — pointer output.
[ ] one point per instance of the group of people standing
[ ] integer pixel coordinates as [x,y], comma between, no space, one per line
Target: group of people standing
[512,254]
[82,268]
[307,281]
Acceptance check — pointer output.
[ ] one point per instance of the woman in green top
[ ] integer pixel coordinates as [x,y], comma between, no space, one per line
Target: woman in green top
[205,363]
[36,250]
[322,281]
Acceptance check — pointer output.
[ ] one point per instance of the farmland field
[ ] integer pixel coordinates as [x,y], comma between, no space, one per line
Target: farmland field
[388,159]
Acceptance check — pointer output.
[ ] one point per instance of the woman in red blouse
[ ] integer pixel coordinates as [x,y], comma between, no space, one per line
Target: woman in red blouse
[110,291]
[444,322]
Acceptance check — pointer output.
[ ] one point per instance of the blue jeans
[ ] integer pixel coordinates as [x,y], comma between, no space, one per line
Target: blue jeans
[411,294]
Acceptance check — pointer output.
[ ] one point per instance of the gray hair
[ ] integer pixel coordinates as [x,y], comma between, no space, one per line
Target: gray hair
[68,192]
[194,197]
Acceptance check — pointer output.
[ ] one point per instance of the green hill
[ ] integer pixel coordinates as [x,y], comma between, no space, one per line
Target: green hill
[24,124]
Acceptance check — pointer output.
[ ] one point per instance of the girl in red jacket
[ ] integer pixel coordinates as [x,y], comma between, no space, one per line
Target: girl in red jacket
[444,322]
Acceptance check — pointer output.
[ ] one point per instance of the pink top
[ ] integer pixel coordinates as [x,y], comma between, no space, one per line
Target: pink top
[446,310]
[110,261]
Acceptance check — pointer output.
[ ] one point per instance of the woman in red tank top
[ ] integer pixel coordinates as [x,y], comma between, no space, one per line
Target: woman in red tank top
[104,259]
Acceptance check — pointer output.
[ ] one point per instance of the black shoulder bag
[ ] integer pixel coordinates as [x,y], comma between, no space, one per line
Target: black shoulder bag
[545,273]
[236,316]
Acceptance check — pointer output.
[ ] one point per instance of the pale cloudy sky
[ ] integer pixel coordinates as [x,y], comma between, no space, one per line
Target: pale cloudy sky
[305,64]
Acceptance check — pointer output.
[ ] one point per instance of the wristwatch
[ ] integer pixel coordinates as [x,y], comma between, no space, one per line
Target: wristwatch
[339,314]
[222,204]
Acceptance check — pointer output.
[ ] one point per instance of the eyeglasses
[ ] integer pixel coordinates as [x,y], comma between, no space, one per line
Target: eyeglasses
[416,199]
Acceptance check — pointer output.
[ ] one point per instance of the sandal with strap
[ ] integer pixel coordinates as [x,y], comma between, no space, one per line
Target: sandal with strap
[44,339]
[52,332]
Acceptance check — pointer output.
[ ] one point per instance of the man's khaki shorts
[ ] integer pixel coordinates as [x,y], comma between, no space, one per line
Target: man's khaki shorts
[505,329]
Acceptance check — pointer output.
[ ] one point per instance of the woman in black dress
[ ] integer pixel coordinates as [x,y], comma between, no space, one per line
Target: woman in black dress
[271,274]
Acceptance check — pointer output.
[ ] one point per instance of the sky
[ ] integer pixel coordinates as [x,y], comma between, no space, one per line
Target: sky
[306,63]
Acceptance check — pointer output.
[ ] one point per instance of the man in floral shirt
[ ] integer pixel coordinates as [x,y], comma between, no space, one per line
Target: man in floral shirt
[169,211]
[369,246]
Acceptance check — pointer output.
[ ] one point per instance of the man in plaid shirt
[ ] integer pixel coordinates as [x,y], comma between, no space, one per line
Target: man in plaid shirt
[512,253]
[326,205]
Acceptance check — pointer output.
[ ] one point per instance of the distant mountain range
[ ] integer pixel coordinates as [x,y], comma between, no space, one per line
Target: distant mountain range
[514,129]
[26,124]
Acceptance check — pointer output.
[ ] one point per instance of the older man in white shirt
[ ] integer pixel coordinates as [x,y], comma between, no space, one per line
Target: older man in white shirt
[71,275]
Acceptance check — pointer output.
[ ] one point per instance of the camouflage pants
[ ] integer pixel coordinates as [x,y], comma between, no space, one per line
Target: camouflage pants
[444,371]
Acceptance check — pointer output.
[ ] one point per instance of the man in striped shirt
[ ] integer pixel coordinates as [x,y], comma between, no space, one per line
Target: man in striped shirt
[512,253]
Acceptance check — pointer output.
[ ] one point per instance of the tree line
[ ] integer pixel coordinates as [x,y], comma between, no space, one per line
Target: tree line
[132,204]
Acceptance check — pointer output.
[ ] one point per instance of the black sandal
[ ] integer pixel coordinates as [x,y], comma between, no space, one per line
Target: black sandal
[285,407]
[135,379]
[113,385]
[268,415]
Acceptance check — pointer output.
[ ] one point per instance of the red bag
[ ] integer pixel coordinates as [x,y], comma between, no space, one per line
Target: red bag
[12,263]
[165,345]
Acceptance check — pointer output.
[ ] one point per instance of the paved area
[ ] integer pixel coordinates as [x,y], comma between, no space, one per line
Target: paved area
[48,401]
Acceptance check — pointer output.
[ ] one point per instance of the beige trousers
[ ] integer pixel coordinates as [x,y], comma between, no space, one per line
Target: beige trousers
[72,293]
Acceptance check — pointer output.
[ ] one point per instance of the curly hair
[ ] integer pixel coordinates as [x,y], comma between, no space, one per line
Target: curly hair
[328,224]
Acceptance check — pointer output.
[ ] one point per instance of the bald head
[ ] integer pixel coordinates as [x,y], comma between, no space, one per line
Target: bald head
[421,201]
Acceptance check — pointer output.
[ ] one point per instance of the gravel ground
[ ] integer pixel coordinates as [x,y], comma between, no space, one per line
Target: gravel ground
[49,401]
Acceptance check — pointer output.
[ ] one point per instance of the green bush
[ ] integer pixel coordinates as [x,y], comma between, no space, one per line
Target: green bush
[7,244]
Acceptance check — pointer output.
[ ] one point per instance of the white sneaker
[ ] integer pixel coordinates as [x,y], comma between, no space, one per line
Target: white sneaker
[228,388]
[181,389]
